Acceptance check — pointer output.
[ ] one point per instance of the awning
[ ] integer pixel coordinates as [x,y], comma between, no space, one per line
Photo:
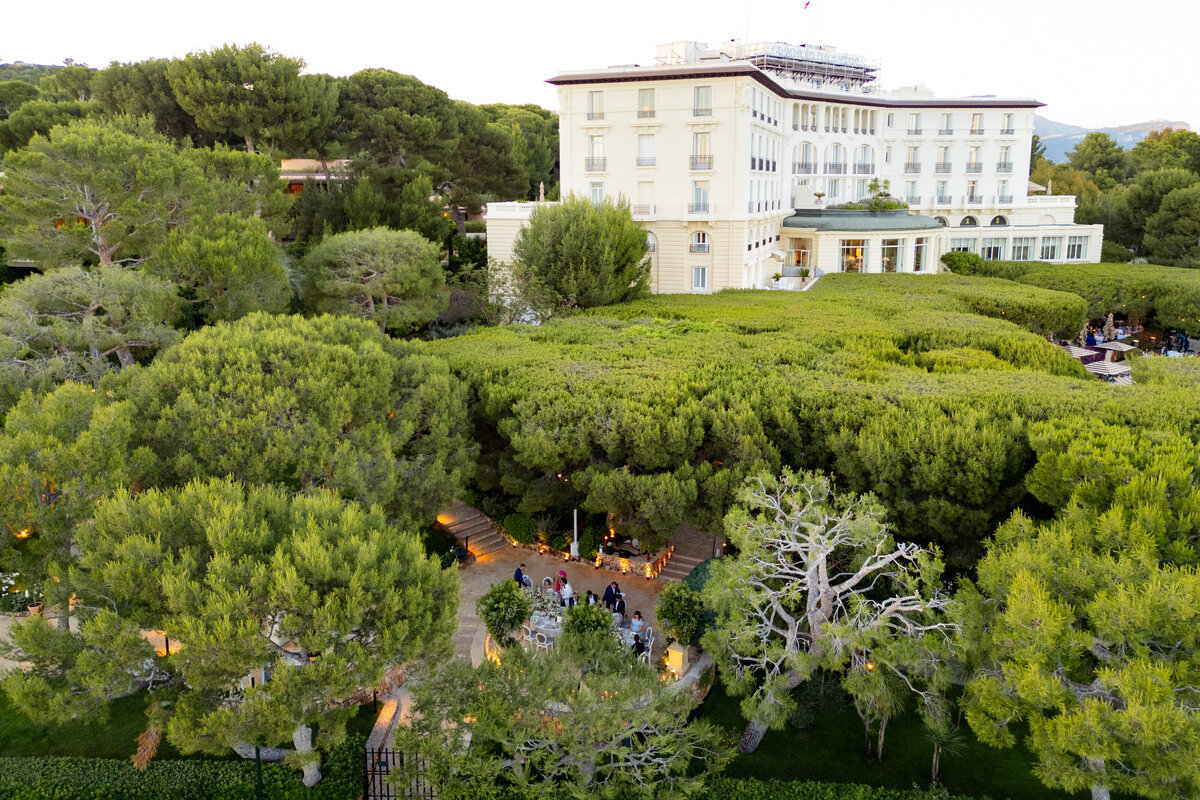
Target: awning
[1108,368]
[1120,347]
[1036,187]
[1075,351]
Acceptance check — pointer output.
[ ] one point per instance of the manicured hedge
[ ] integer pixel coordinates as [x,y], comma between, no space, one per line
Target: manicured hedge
[521,528]
[730,789]
[192,779]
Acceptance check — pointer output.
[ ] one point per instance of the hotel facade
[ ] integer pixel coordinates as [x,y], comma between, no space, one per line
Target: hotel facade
[731,156]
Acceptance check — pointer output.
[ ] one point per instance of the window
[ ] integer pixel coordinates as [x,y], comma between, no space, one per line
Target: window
[914,124]
[941,221]
[834,188]
[893,255]
[595,162]
[887,154]
[999,220]
[943,192]
[973,195]
[651,243]
[645,103]
[645,156]
[1022,248]
[860,188]
[977,123]
[701,154]
[1008,124]
[799,253]
[597,193]
[699,243]
[595,107]
[947,127]
[1050,247]
[1005,162]
[1077,247]
[702,101]
[992,249]
[919,252]
[910,193]
[891,118]
[854,255]
[943,158]
[699,278]
[968,222]
[912,159]
[963,245]
[699,204]
[975,160]
[1003,195]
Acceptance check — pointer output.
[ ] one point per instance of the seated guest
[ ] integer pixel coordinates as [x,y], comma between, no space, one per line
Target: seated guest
[637,623]
[591,598]
[547,586]
[611,593]
[639,646]
[619,606]
[519,575]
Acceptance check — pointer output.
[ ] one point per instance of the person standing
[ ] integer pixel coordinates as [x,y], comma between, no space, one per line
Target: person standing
[567,592]
[611,593]
[519,576]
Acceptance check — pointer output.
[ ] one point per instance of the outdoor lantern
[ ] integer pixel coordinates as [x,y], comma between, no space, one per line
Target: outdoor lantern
[677,660]
[514,541]
[870,666]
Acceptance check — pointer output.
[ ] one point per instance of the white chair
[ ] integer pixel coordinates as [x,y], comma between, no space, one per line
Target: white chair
[542,642]
[618,618]
[526,634]
[528,582]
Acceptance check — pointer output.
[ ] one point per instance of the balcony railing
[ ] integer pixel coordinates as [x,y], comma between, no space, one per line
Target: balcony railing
[1004,166]
[595,164]
[913,199]
[595,115]
[974,201]
[702,112]
[944,200]
[645,113]
[864,169]
[698,247]
[943,167]
[698,208]
[701,162]
[1007,132]
[914,131]
[946,132]
[804,168]
[912,167]
[974,167]
[645,161]
[642,210]
[1004,199]
[835,168]
[977,131]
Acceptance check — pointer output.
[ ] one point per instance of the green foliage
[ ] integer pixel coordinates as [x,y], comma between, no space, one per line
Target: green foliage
[142,88]
[72,82]
[1101,159]
[521,528]
[327,402]
[588,254]
[256,95]
[393,278]
[1173,232]
[503,609]
[585,619]
[750,789]
[680,612]
[39,117]
[1113,253]
[13,95]
[101,779]
[966,263]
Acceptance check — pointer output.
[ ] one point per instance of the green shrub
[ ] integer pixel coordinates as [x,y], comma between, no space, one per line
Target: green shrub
[680,613]
[476,225]
[590,540]
[750,789]
[1113,253]
[502,609]
[961,263]
[520,528]
[191,779]
[586,618]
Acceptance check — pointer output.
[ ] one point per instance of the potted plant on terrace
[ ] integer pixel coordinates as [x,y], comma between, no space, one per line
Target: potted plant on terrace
[804,272]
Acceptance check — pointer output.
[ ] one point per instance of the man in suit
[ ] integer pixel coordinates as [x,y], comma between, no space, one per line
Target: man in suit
[519,575]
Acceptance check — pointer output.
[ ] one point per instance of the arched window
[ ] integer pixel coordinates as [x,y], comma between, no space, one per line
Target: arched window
[651,243]
[968,222]
[1000,220]
[941,221]
[699,242]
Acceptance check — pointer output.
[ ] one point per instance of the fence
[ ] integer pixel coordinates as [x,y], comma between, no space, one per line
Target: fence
[382,764]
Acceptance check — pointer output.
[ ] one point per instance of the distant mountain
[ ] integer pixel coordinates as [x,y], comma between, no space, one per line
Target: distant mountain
[1059,137]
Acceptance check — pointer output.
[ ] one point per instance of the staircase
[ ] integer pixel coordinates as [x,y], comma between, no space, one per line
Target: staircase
[691,547]
[477,533]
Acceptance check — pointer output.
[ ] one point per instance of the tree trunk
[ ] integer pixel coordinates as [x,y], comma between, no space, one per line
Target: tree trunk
[882,730]
[937,752]
[1099,790]
[302,738]
[125,357]
[271,754]
[752,736]
[249,143]
[867,737]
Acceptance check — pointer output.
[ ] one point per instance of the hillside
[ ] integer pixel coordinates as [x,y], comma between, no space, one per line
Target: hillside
[1060,137]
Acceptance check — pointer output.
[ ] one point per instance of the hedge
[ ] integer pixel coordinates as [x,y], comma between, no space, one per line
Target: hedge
[190,779]
[521,528]
[749,789]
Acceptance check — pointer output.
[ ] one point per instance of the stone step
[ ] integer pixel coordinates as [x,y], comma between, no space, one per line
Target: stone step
[486,548]
[470,528]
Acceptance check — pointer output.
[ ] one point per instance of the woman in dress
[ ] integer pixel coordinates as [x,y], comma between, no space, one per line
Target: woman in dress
[637,623]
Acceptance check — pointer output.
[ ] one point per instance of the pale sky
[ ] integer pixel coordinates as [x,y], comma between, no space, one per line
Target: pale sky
[1095,64]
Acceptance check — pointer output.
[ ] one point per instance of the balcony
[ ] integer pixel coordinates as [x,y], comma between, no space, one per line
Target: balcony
[946,132]
[835,169]
[698,208]
[701,162]
[1007,132]
[804,168]
[644,210]
[645,113]
[1004,199]
[944,200]
[976,131]
[913,199]
[645,161]
[1004,166]
[595,115]
[912,167]
[702,112]
[864,169]
[974,200]
[595,164]
[974,167]
[698,247]
[943,167]
[914,131]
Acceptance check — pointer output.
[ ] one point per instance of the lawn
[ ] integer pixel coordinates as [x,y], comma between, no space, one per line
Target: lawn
[115,738]
[832,750]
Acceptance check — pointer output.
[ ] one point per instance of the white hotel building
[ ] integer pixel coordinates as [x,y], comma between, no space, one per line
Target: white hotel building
[715,147]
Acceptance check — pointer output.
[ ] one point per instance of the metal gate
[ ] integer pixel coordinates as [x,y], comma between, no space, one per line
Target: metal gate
[386,777]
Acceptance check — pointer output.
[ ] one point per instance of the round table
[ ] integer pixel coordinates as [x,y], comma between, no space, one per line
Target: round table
[546,624]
